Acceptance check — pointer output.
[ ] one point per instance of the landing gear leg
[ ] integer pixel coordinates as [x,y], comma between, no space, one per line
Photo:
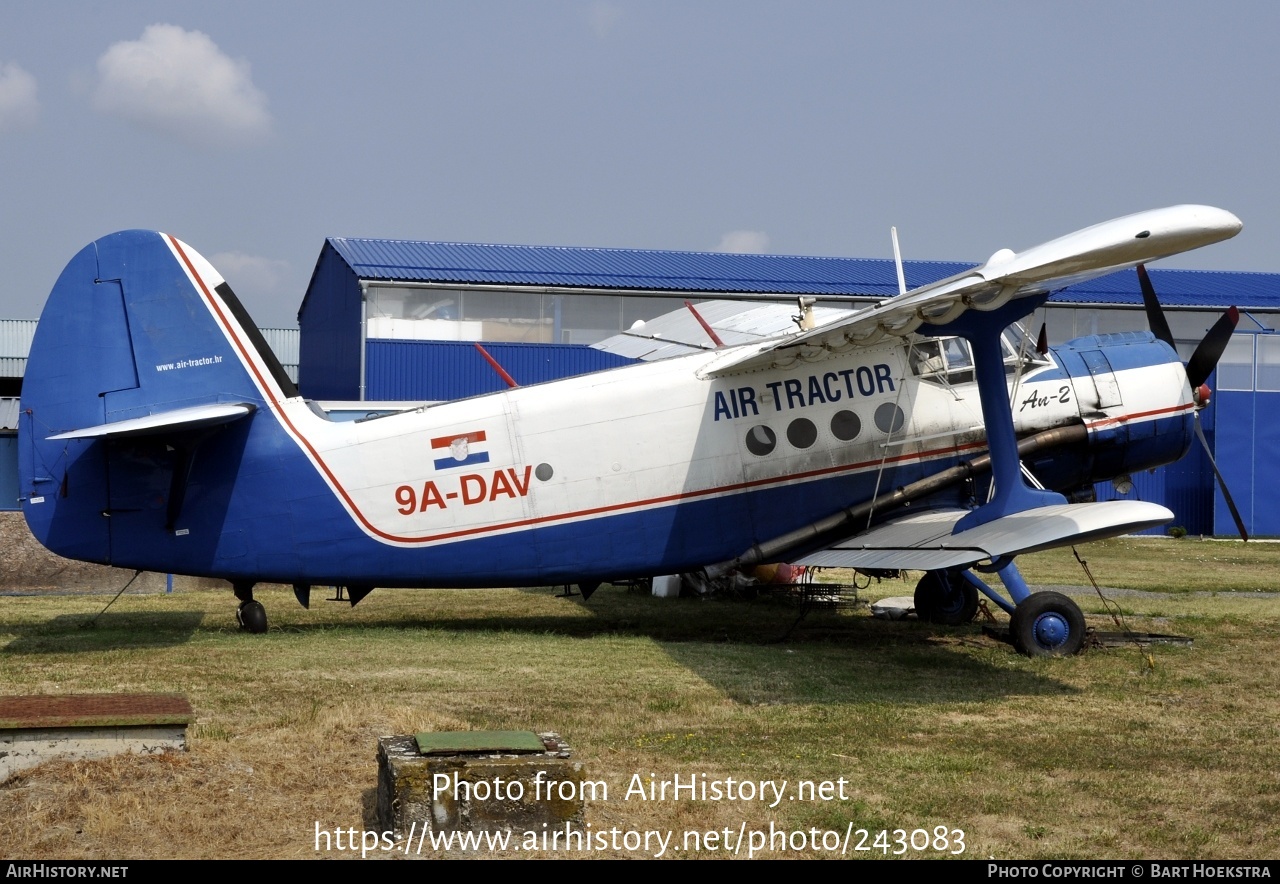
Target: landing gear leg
[251,616]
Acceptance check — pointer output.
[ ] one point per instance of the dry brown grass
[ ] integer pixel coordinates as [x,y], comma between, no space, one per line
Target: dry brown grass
[1111,754]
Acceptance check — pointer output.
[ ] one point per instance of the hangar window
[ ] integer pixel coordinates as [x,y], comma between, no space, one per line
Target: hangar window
[585,319]
[1235,368]
[1106,321]
[1268,363]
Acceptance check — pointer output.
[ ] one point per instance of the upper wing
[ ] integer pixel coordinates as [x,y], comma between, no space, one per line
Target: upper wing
[678,333]
[1092,252]
[923,541]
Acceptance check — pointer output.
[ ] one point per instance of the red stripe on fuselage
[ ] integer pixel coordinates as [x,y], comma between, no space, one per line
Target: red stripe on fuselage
[446,441]
[1092,425]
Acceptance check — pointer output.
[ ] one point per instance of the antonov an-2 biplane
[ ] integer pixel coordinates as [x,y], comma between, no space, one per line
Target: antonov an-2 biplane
[159,432]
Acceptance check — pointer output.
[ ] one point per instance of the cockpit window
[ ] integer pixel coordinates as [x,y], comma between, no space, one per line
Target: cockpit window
[946,359]
[950,360]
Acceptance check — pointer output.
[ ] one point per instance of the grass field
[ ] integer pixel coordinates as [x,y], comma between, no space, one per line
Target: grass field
[1122,753]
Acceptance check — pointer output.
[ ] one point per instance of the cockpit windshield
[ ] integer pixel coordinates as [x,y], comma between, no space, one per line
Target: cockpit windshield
[950,360]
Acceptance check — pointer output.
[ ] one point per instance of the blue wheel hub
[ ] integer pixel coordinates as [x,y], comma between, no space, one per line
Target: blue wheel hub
[1051,630]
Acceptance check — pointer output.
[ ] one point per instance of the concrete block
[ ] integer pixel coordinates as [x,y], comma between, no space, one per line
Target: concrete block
[476,792]
[36,729]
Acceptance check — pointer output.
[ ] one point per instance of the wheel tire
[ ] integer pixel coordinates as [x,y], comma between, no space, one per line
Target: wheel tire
[252,617]
[945,597]
[1047,624]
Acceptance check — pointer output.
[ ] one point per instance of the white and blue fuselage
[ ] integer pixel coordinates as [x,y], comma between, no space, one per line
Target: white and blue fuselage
[647,469]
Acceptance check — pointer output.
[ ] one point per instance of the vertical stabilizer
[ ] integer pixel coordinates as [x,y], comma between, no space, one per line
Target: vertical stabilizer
[137,325]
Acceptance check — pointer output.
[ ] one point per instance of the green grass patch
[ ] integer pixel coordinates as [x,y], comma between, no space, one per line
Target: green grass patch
[1165,753]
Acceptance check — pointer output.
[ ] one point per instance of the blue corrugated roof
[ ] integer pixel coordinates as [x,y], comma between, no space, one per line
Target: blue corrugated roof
[648,269]
[1182,288]
[407,260]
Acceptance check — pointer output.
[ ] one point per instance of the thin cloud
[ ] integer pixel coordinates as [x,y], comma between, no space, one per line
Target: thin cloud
[19,107]
[251,273]
[603,18]
[180,83]
[744,242]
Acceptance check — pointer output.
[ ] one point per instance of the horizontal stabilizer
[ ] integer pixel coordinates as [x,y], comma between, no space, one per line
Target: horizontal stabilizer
[164,422]
[924,542]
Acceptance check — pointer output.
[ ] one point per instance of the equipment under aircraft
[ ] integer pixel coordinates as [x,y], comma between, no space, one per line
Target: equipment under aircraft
[159,432]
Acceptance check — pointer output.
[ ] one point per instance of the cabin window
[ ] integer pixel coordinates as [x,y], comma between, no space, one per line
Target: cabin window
[802,433]
[889,418]
[846,425]
[761,440]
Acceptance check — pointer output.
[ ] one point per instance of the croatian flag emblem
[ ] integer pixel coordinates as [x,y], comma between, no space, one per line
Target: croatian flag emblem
[460,450]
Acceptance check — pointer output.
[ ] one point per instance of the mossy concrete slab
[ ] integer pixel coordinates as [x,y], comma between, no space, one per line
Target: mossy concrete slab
[481,791]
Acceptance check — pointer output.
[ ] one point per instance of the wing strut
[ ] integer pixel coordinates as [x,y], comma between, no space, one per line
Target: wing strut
[983,330]
[706,326]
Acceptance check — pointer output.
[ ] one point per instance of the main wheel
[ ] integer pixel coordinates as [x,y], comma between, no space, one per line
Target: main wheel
[252,617]
[945,597]
[1047,624]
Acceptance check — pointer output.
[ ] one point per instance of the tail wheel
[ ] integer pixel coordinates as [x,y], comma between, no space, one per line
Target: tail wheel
[945,597]
[1047,624]
[252,617]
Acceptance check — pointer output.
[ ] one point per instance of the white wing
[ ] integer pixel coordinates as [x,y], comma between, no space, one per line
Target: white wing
[1086,254]
[923,541]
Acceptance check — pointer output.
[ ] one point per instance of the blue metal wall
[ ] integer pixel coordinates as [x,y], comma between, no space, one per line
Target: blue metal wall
[329,324]
[1186,487]
[8,471]
[1249,458]
[436,370]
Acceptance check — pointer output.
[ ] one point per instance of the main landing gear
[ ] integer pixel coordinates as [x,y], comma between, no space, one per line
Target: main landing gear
[1041,624]
[251,616]
[1047,624]
[946,597]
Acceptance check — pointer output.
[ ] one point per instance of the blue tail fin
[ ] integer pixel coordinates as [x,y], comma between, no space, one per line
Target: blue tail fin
[139,325]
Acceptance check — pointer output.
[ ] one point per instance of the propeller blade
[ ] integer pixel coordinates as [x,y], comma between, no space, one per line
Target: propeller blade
[1209,351]
[1222,483]
[1155,313]
[1042,342]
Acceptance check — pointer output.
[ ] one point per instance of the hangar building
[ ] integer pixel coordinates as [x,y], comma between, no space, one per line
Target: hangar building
[396,320]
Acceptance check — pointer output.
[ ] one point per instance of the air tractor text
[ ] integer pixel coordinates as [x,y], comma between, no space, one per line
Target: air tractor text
[816,389]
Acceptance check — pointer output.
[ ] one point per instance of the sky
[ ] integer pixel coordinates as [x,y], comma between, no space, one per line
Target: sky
[254,130]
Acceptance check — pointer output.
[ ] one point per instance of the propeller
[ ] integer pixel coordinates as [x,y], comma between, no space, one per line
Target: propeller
[1199,367]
